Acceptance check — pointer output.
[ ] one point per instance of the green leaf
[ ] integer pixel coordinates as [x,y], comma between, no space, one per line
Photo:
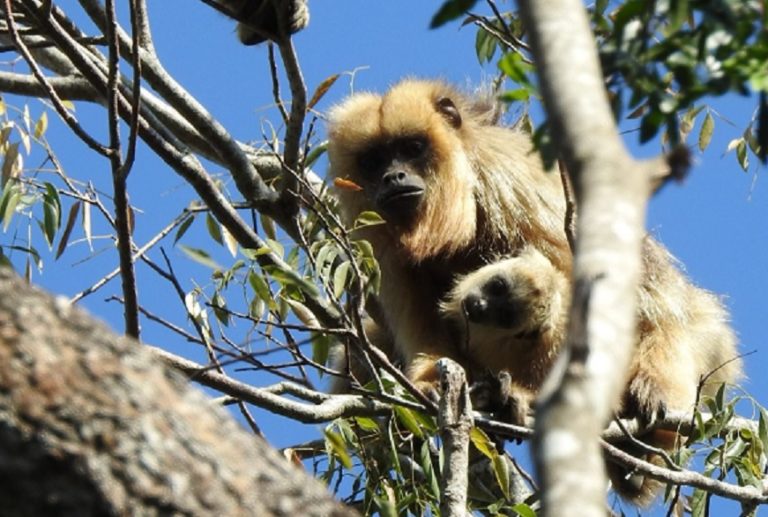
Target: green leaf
[483,443]
[367,424]
[340,278]
[762,429]
[762,128]
[50,220]
[523,510]
[213,228]
[219,309]
[335,444]
[449,11]
[200,256]
[501,471]
[699,503]
[8,202]
[261,288]
[518,95]
[276,247]
[315,154]
[425,459]
[71,218]
[268,225]
[485,46]
[514,67]
[183,228]
[368,218]
[321,346]
[629,10]
[406,417]
[705,134]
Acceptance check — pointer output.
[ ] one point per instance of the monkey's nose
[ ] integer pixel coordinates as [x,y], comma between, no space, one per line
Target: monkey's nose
[474,307]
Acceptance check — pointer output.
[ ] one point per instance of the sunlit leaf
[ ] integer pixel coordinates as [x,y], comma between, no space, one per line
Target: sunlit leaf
[406,417]
[340,278]
[335,443]
[304,314]
[87,225]
[229,241]
[501,471]
[219,309]
[261,288]
[705,134]
[483,443]
[268,225]
[41,125]
[321,90]
[316,152]
[523,510]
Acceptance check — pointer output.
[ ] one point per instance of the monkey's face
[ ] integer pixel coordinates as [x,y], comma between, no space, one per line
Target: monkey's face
[407,150]
[495,303]
[515,296]
[392,172]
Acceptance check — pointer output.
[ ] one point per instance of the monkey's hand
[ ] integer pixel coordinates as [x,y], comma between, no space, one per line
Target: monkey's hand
[423,372]
[498,394]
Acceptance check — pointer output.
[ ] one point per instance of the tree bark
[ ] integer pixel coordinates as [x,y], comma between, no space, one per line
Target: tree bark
[455,421]
[611,193]
[93,424]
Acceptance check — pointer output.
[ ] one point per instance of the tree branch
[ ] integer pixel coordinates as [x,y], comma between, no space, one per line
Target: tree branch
[98,426]
[611,191]
[455,422]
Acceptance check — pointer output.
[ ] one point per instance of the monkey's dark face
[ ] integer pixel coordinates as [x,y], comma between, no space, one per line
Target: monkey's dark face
[393,175]
[406,157]
[496,303]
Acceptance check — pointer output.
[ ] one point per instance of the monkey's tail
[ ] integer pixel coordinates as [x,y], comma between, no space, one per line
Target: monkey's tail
[634,487]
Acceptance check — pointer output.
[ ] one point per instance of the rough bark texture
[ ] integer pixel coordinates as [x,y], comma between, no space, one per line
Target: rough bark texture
[455,419]
[611,191]
[92,424]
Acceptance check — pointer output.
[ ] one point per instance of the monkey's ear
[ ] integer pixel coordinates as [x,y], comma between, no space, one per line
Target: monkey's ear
[448,109]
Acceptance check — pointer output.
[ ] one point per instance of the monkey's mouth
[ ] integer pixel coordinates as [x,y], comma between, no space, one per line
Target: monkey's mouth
[400,205]
[403,195]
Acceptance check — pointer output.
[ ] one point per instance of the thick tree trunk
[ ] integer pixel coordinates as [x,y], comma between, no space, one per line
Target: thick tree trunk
[92,424]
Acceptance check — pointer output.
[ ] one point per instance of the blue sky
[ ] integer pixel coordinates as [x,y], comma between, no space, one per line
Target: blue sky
[716,223]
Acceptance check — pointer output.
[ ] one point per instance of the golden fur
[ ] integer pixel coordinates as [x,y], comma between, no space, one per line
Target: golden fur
[487,197]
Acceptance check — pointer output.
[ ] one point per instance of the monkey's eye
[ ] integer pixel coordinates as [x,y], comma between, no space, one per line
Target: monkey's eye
[372,161]
[496,287]
[411,148]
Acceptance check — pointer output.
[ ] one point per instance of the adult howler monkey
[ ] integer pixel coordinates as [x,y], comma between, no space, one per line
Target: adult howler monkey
[475,222]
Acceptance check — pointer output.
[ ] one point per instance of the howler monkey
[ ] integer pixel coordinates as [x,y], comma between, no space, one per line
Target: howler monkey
[475,222]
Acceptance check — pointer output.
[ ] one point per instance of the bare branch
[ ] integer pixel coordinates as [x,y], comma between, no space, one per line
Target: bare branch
[455,421]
